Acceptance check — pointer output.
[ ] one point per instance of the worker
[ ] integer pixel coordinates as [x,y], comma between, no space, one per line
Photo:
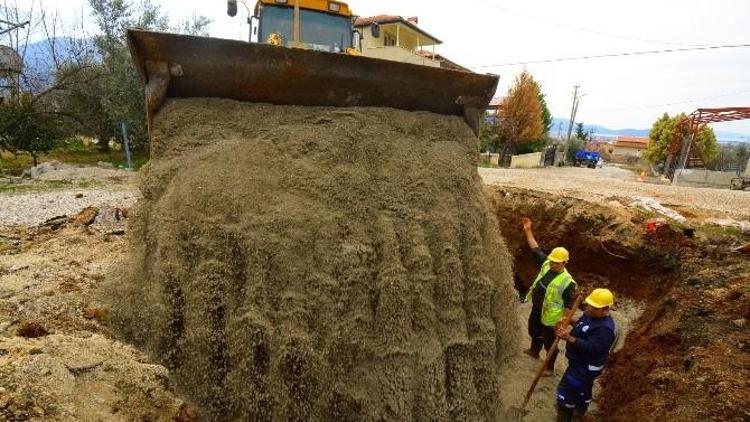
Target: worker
[552,296]
[587,348]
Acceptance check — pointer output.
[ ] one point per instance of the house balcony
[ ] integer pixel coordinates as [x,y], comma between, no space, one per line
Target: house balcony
[399,54]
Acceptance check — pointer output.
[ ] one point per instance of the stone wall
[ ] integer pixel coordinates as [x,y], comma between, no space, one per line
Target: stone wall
[526,160]
[704,178]
[491,159]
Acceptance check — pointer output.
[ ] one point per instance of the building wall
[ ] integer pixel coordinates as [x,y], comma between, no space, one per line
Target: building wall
[491,159]
[405,53]
[398,54]
[526,160]
[368,41]
[626,151]
[704,178]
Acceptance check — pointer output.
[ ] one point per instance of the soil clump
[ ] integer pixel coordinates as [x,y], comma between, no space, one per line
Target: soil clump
[310,263]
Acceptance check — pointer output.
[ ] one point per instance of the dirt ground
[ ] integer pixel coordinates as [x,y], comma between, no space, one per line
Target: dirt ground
[684,303]
[58,359]
[687,356]
[608,184]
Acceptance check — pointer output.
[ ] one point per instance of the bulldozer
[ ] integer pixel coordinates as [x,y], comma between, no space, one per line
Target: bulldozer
[308,57]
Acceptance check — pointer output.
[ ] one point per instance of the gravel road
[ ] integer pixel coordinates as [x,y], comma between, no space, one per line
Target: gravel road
[31,208]
[609,183]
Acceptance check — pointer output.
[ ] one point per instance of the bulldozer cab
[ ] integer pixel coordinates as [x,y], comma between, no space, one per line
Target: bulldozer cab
[323,25]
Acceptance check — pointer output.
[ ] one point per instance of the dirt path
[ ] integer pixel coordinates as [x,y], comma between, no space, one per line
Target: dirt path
[606,185]
[520,371]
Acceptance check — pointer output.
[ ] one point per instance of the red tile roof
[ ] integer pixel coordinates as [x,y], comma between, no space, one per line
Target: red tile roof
[369,20]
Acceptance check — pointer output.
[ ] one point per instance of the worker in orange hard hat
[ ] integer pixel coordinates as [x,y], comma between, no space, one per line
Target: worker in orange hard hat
[552,296]
[587,349]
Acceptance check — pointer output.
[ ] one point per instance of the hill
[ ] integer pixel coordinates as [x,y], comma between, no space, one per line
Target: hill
[557,122]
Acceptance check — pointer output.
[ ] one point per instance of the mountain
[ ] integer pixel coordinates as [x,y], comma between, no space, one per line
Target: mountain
[559,123]
[39,63]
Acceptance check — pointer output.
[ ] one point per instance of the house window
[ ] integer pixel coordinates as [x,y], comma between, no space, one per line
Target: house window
[389,40]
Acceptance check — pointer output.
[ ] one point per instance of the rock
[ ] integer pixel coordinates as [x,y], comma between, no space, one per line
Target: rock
[744,249]
[41,169]
[86,217]
[740,323]
[79,195]
[32,330]
[110,216]
[105,165]
[56,222]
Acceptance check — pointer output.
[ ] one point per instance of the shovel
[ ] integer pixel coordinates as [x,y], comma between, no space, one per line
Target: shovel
[517,413]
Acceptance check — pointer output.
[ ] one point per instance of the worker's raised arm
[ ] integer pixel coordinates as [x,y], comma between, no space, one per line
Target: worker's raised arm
[529,233]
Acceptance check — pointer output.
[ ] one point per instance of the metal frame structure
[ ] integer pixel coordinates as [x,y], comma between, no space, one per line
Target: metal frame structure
[683,151]
[11,26]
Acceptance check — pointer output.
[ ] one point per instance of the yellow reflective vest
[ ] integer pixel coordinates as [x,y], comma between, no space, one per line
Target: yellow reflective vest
[553,307]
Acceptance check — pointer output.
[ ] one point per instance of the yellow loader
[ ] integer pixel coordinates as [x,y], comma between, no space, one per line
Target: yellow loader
[307,55]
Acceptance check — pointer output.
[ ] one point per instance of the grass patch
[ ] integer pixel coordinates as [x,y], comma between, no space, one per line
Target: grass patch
[70,152]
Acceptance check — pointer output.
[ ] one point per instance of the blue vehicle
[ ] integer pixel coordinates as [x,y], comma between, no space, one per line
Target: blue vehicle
[587,158]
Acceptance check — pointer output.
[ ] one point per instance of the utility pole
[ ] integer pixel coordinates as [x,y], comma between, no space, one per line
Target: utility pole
[296,32]
[573,113]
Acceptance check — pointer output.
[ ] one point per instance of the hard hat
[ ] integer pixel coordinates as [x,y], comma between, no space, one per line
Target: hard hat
[601,298]
[559,255]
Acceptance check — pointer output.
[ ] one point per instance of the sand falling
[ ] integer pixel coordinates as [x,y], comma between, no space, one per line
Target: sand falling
[312,263]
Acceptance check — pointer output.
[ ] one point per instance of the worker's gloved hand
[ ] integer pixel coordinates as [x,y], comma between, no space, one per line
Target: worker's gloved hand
[526,221]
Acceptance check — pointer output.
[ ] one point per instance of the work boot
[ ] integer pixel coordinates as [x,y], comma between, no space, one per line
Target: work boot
[564,415]
[578,417]
[533,355]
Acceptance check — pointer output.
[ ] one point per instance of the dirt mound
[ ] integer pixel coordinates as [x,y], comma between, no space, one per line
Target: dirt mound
[61,377]
[319,264]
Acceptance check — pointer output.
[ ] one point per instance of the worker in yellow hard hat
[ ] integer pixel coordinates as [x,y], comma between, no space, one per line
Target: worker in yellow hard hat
[552,296]
[587,349]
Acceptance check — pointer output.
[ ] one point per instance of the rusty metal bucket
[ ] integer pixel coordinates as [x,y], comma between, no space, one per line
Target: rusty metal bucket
[188,66]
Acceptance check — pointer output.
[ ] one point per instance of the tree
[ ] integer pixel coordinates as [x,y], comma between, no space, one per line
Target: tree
[519,119]
[24,127]
[547,119]
[31,119]
[743,155]
[487,136]
[114,93]
[662,134]
[581,132]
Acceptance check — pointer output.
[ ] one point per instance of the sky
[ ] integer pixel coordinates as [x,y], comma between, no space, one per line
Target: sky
[624,92]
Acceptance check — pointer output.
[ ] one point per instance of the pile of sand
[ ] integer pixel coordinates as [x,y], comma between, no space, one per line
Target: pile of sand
[296,263]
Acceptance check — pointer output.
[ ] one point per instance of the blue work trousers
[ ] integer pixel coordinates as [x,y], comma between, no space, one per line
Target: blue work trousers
[574,390]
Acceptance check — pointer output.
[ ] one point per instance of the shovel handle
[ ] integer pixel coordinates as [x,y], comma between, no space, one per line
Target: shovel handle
[551,352]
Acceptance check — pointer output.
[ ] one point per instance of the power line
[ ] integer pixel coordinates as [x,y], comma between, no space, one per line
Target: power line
[712,97]
[624,54]
[578,28]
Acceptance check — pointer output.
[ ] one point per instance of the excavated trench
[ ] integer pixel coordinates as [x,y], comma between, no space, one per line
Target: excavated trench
[676,298]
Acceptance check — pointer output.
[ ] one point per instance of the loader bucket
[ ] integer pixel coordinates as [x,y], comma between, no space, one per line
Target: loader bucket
[173,65]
